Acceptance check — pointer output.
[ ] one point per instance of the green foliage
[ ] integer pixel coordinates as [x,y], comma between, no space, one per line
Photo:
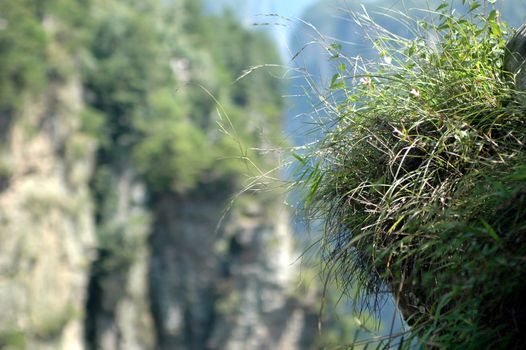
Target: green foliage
[92,124]
[24,44]
[157,73]
[172,156]
[420,180]
[182,148]
[22,52]
[13,340]
[125,49]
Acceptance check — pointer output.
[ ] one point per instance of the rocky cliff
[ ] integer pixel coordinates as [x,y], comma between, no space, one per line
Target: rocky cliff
[229,286]
[118,302]
[218,287]
[93,253]
[47,231]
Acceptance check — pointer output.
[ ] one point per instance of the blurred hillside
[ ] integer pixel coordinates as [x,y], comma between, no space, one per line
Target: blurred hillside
[123,141]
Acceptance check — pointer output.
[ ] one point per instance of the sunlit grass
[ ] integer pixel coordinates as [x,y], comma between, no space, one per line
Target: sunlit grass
[419,178]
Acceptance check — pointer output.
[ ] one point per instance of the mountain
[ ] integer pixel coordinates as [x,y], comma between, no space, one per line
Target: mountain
[115,176]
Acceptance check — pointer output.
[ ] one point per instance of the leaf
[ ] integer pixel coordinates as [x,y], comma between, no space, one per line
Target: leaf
[299,158]
[335,84]
[334,79]
[442,6]
[492,15]
[315,184]
[490,231]
[474,6]
[495,29]
[411,50]
[393,227]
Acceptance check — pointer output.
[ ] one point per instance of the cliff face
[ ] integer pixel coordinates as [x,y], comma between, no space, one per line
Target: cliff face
[226,287]
[89,257]
[260,309]
[47,229]
[118,302]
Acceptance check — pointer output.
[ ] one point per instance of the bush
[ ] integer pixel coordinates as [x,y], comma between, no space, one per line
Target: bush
[420,180]
[168,158]
[22,53]
[158,74]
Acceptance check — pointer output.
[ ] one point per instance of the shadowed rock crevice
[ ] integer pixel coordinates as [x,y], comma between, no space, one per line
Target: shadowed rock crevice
[229,289]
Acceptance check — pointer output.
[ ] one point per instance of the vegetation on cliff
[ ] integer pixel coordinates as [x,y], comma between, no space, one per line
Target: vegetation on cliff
[150,71]
[420,178]
[155,69]
[161,74]
[154,80]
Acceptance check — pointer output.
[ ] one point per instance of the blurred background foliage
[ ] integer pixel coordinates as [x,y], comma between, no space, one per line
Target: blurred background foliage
[158,85]
[151,70]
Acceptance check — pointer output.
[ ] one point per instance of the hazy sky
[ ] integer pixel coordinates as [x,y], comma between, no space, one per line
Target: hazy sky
[251,11]
[291,9]
[283,7]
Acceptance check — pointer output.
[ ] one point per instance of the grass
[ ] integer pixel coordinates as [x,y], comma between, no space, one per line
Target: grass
[420,179]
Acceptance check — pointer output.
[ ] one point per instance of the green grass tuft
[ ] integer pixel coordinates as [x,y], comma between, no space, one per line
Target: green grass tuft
[420,180]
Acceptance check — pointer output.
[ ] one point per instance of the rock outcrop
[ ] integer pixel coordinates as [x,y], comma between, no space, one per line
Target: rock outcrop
[117,267]
[226,287]
[46,222]
[118,307]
